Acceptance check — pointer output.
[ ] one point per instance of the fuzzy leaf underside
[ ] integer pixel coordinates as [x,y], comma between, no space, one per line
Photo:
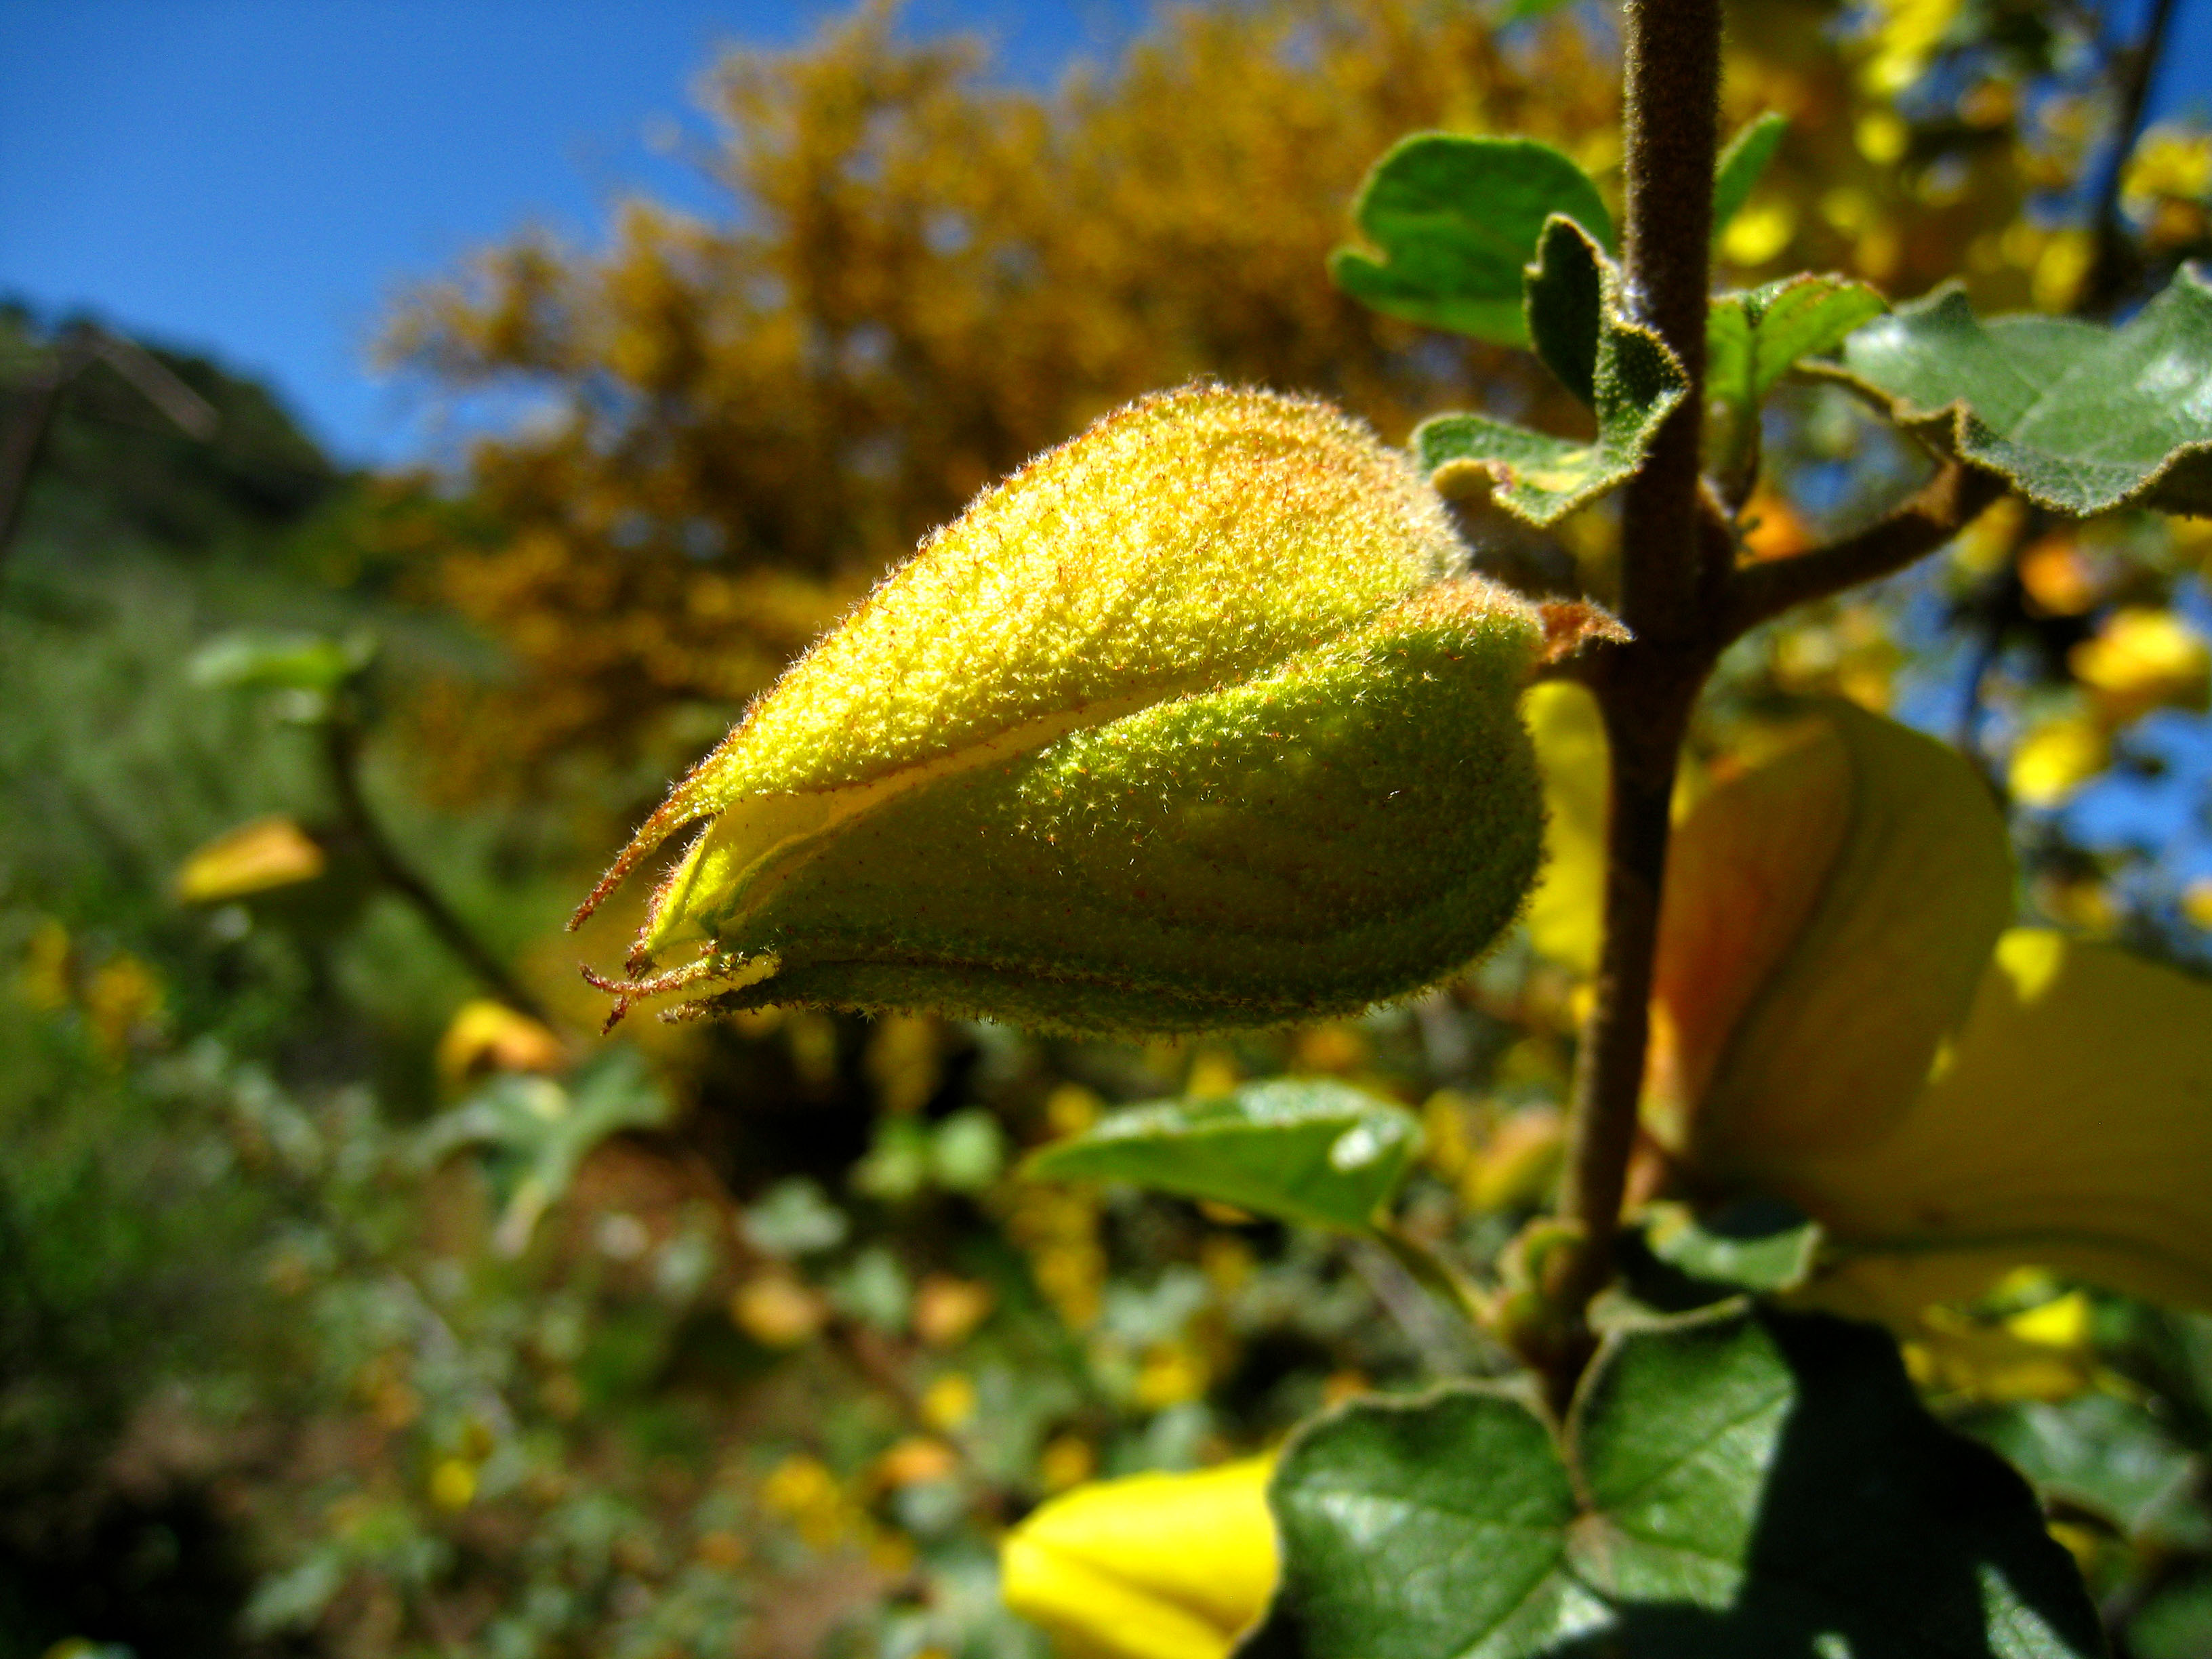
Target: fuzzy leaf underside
[1631,379]
[1734,1484]
[2078,416]
[1316,1153]
[1455,218]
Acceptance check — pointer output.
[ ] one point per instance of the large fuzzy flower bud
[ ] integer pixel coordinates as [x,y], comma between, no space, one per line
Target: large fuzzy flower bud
[1195,723]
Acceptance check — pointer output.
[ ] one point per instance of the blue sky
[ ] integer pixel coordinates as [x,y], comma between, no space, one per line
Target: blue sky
[256,178]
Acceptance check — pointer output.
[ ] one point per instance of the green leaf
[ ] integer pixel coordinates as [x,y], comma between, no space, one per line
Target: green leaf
[537,1133]
[1318,1153]
[1633,381]
[282,662]
[1740,165]
[2109,1456]
[1564,296]
[1754,1245]
[2080,418]
[1736,1485]
[1753,339]
[1455,219]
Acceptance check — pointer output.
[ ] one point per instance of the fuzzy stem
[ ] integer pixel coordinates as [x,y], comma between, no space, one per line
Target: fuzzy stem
[1668,581]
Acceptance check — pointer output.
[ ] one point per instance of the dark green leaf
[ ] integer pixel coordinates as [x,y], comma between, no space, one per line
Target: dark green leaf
[2079,418]
[2112,1457]
[1634,382]
[1740,165]
[1455,219]
[1755,1246]
[1318,1153]
[1737,1485]
[1564,294]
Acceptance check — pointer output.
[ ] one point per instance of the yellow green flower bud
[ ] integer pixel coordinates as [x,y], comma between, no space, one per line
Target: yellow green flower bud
[1152,1566]
[1195,723]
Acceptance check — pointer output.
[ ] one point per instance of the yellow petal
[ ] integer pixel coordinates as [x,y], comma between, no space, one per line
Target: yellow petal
[254,858]
[2070,1128]
[1564,912]
[1831,1049]
[1743,873]
[493,1036]
[1155,1566]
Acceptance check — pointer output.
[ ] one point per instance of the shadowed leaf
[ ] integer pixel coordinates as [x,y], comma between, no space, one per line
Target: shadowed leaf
[1731,1485]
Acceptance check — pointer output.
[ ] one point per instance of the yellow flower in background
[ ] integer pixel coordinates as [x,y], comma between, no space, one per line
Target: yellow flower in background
[254,858]
[2143,658]
[1152,1566]
[1842,1018]
[487,1035]
[2056,757]
[1907,34]
[1194,723]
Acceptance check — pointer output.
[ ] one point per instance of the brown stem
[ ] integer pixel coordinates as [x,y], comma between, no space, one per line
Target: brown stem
[342,757]
[1944,506]
[1670,578]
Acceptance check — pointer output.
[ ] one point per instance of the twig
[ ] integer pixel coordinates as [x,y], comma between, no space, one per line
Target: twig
[1944,506]
[1670,575]
[342,757]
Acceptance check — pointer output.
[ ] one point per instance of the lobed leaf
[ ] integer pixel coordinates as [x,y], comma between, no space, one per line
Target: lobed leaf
[1320,1153]
[1455,218]
[2078,416]
[1632,380]
[1734,1484]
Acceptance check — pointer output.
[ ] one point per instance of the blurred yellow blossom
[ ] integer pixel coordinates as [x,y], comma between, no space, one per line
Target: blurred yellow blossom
[2141,659]
[254,858]
[1153,1566]
[2056,757]
[487,1035]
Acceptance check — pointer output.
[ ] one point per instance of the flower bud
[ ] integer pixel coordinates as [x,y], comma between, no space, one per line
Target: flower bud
[1152,1566]
[1193,723]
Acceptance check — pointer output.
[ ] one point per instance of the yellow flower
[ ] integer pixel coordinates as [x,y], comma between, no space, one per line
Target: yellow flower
[2056,757]
[254,858]
[2143,658]
[1194,723]
[490,1037]
[1154,1566]
[1843,1019]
